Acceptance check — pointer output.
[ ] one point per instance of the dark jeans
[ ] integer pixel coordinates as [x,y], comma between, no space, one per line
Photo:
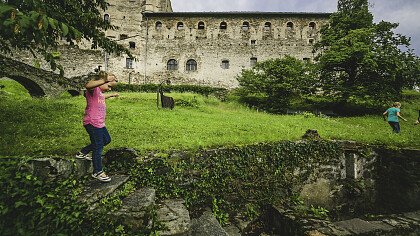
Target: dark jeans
[395,126]
[99,137]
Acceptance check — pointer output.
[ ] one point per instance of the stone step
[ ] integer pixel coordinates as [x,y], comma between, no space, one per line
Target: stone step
[95,190]
[175,216]
[135,206]
[207,225]
[56,168]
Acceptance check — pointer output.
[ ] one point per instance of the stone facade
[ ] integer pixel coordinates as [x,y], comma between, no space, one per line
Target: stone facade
[209,48]
[205,48]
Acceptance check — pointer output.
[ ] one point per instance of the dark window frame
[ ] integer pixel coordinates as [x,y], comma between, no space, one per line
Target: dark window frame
[191,65]
[172,64]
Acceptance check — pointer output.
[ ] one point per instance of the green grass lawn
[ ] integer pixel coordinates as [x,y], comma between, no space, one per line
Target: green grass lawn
[53,126]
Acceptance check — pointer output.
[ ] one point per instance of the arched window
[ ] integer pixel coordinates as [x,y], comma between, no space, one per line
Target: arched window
[191,65]
[201,25]
[223,25]
[245,26]
[106,18]
[267,26]
[289,25]
[158,25]
[225,64]
[172,64]
[180,26]
[312,26]
[132,45]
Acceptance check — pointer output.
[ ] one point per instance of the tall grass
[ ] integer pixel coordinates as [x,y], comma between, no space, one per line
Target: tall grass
[53,126]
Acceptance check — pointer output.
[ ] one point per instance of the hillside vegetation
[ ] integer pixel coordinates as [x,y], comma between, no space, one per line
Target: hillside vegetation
[53,126]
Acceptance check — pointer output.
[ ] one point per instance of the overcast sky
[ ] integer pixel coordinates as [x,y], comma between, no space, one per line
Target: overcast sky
[405,12]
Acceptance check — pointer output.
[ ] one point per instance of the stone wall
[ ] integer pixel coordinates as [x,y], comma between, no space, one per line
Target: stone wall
[398,183]
[248,37]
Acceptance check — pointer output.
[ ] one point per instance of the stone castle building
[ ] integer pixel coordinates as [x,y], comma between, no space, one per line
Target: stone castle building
[207,48]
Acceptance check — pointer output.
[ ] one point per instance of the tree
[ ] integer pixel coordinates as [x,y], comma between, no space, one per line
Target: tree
[271,84]
[39,26]
[361,61]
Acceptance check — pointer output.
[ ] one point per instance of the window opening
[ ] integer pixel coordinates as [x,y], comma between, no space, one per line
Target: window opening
[180,25]
[158,25]
[129,63]
[132,45]
[225,64]
[245,26]
[312,26]
[253,61]
[106,18]
[223,25]
[201,25]
[267,26]
[191,65]
[172,64]
[289,25]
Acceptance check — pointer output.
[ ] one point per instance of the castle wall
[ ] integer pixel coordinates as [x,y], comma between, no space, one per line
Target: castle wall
[162,40]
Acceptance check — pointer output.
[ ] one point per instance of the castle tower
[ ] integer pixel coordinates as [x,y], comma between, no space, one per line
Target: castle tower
[158,6]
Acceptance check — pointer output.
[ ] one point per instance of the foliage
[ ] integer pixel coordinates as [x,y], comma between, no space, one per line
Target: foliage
[29,204]
[271,84]
[180,88]
[33,206]
[362,61]
[234,180]
[38,26]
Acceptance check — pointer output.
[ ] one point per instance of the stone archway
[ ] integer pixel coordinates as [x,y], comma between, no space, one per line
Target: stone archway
[33,88]
[40,82]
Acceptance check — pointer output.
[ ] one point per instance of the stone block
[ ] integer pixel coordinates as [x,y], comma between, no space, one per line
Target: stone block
[54,168]
[207,225]
[358,226]
[96,190]
[175,216]
[135,207]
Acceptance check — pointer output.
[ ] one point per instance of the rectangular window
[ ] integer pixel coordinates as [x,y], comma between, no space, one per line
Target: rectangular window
[129,63]
[253,42]
[225,64]
[253,61]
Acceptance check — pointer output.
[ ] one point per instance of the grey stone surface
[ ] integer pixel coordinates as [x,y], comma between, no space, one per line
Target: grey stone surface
[37,81]
[135,206]
[232,230]
[359,226]
[207,225]
[413,215]
[95,190]
[175,216]
[53,168]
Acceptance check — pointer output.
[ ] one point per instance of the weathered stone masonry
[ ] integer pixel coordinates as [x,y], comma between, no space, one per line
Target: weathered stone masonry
[208,48]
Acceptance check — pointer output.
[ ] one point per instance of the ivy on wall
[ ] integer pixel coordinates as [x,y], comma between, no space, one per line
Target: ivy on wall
[235,180]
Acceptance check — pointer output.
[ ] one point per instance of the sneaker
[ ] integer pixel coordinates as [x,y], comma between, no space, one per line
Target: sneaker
[81,155]
[101,176]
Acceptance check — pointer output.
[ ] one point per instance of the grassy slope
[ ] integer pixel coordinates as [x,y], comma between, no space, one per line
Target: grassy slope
[53,126]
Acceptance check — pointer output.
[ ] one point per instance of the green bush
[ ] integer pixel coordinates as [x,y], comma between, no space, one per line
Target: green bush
[181,88]
[272,84]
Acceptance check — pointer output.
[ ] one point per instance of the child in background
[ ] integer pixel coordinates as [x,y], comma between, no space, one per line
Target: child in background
[393,115]
[94,121]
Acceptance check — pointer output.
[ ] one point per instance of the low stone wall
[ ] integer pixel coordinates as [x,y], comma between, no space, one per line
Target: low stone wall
[398,180]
